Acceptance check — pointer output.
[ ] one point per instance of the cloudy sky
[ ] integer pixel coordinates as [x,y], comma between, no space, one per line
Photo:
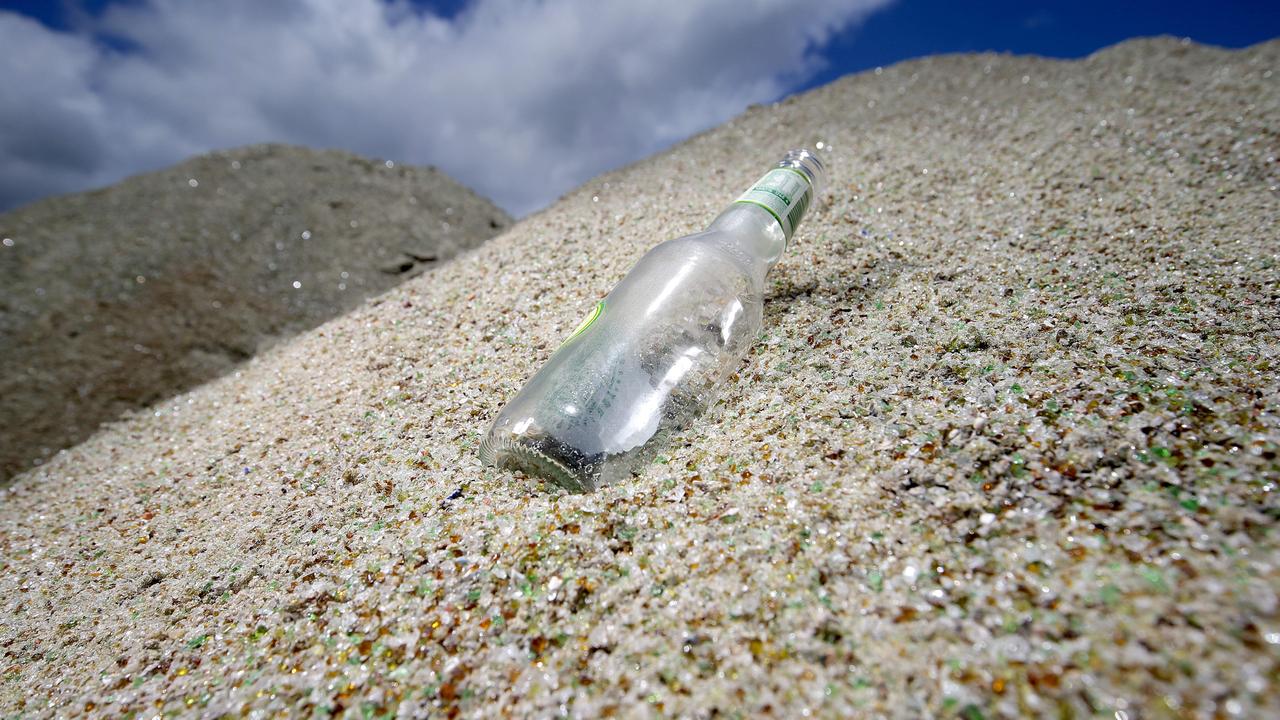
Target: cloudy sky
[520,99]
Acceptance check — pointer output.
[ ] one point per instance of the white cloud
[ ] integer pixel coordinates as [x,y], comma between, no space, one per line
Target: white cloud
[521,100]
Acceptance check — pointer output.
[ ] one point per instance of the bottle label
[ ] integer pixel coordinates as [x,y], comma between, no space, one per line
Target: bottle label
[586,322]
[785,193]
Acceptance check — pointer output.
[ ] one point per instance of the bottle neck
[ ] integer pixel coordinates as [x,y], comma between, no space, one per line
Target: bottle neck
[752,231]
[787,191]
[762,221]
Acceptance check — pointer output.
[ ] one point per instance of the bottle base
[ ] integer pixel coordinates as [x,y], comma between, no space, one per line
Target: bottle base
[543,457]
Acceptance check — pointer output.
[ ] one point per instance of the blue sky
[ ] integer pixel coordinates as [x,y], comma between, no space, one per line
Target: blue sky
[521,100]
[917,28]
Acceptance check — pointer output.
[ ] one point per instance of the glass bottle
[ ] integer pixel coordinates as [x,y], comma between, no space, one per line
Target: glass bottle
[651,355]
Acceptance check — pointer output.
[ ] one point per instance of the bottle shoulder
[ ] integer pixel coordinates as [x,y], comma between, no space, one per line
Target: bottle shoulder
[709,247]
[690,269]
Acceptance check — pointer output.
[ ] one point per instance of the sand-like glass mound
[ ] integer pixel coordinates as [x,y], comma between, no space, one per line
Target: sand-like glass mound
[1007,447]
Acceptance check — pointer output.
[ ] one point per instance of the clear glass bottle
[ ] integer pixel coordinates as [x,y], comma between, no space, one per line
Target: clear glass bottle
[650,356]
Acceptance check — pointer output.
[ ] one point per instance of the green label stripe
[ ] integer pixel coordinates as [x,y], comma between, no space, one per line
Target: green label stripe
[797,211]
[776,193]
[806,179]
[796,214]
[766,207]
[588,321]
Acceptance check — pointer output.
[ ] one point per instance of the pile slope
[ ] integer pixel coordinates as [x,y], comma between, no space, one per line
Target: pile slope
[1007,447]
[117,298]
